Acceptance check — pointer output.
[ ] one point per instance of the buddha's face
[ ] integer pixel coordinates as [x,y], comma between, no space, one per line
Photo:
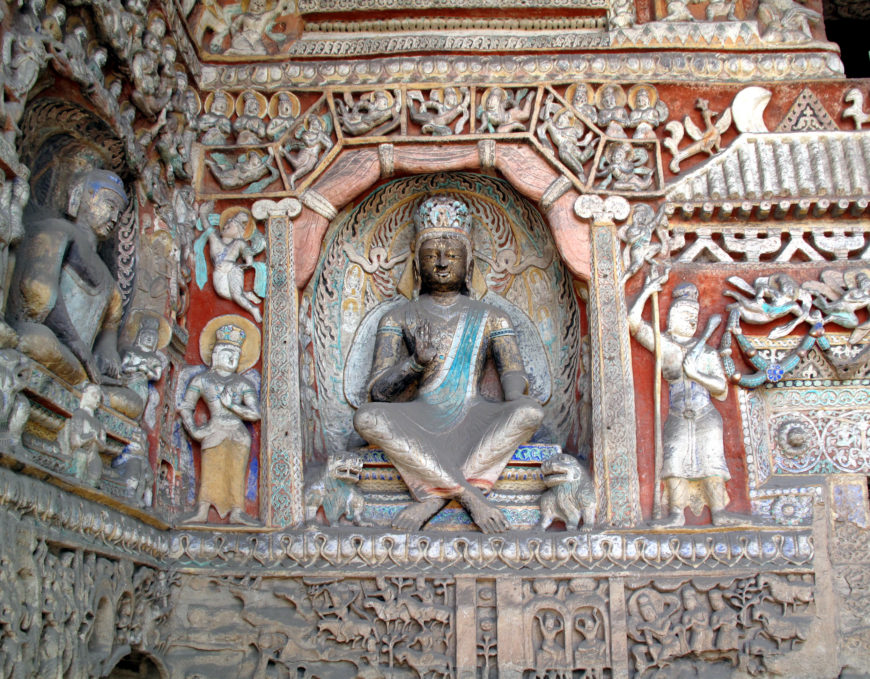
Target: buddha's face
[252,108]
[235,226]
[443,265]
[285,108]
[646,610]
[157,26]
[219,105]
[101,211]
[225,357]
[683,320]
[608,98]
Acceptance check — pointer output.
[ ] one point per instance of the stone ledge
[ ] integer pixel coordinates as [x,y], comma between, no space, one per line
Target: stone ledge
[633,551]
[82,519]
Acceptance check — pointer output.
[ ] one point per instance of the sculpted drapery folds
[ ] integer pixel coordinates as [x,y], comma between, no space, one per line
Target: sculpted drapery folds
[426,412]
[694,467]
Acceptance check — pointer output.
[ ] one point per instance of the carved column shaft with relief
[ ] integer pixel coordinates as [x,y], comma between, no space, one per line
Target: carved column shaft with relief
[613,418]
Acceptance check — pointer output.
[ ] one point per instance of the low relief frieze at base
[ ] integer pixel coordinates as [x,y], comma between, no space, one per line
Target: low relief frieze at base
[70,611]
[470,552]
[412,626]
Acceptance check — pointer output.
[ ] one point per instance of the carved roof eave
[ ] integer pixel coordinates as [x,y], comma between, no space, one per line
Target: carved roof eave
[782,175]
[807,61]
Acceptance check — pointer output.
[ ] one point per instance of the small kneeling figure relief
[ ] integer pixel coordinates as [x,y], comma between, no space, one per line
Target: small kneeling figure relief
[570,495]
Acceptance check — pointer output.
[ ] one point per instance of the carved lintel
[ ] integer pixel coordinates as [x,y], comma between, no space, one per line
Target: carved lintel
[387,157]
[319,204]
[486,153]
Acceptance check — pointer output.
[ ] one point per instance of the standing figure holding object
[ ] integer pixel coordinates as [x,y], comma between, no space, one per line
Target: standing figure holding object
[232,400]
[694,468]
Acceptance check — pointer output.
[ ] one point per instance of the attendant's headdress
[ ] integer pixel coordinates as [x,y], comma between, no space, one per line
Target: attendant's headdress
[230,334]
[685,294]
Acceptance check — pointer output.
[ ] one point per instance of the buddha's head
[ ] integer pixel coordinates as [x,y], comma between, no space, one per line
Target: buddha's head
[148,336]
[443,264]
[442,247]
[92,396]
[227,348]
[96,200]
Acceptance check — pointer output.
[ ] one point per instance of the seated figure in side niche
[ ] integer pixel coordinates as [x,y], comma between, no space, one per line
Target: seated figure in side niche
[144,362]
[694,468]
[64,302]
[612,116]
[427,413]
[648,111]
[283,111]
[232,400]
[215,123]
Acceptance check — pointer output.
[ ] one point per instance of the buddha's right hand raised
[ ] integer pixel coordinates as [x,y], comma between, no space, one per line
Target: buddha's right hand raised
[424,349]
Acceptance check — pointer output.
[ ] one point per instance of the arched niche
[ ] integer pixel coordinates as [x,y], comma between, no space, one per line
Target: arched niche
[588,249]
[363,257]
[137,665]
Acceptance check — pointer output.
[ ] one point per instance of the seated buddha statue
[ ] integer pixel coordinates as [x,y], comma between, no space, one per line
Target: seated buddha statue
[426,411]
[64,302]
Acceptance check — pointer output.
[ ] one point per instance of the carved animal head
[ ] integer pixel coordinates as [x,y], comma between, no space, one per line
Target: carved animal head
[561,469]
[346,467]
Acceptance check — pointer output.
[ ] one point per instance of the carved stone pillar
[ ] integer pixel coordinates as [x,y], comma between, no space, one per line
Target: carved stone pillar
[281,475]
[613,417]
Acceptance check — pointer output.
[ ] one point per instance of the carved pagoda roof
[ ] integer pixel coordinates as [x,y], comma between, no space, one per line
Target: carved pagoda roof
[795,173]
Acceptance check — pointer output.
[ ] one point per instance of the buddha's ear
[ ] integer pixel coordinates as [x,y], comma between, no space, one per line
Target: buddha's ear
[408,283]
[477,286]
[75,199]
